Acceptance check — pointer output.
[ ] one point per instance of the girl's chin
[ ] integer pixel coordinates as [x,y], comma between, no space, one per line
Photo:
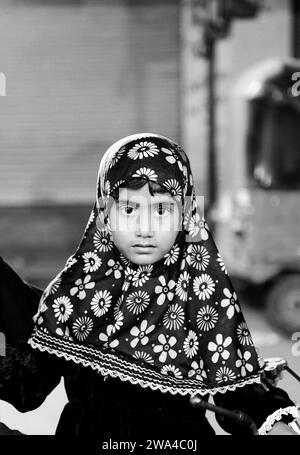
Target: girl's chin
[143,259]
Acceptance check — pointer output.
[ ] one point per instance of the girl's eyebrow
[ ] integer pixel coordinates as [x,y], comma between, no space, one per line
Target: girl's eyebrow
[127,201]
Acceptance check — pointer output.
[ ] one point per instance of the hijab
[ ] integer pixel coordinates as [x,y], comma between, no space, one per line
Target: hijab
[175,325]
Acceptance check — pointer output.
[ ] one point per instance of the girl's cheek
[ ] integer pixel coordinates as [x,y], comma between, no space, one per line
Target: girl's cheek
[129,223]
[170,223]
[162,224]
[123,222]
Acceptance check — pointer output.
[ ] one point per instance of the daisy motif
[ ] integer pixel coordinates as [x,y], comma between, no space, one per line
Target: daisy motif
[101,302]
[145,173]
[137,302]
[143,357]
[64,334]
[81,286]
[221,263]
[165,348]
[196,225]
[129,274]
[54,285]
[225,374]
[231,302]
[203,286]
[171,370]
[117,184]
[186,259]
[82,327]
[191,344]
[182,286]
[207,318]
[174,187]
[115,268]
[180,166]
[105,338]
[172,256]
[141,333]
[170,156]
[242,362]
[197,370]
[199,257]
[174,158]
[142,150]
[117,306]
[243,334]
[165,290]
[62,308]
[142,275]
[92,262]
[219,348]
[38,317]
[102,241]
[124,260]
[119,318]
[174,317]
[116,157]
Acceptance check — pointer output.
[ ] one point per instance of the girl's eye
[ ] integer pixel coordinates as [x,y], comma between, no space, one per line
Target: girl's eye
[162,210]
[128,210]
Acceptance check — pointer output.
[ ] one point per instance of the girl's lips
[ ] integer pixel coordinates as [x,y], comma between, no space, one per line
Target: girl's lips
[144,248]
[139,245]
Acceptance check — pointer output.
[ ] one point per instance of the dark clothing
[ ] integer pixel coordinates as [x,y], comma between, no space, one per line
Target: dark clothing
[5,431]
[101,407]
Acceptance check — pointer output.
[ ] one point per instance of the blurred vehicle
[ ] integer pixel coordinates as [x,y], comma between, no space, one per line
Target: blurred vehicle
[258,221]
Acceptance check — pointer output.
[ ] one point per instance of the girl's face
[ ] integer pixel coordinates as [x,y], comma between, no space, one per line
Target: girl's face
[144,227]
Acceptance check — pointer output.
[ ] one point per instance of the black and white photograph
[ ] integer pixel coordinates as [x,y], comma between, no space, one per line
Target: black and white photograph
[149,221]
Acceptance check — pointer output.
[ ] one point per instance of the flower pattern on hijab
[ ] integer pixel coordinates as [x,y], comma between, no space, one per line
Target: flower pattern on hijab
[175,325]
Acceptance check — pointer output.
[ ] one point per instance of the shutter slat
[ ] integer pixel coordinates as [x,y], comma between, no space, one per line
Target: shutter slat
[77,80]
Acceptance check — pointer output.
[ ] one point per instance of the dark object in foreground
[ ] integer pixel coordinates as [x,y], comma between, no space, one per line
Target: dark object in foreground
[5,431]
[245,423]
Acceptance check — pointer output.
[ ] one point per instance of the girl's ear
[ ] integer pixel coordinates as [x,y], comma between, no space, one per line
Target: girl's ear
[101,203]
[102,213]
[104,204]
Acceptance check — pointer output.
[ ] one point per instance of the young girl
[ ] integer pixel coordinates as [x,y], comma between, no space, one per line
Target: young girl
[142,317]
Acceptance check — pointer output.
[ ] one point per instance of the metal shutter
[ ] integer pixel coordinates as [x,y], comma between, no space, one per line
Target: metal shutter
[79,77]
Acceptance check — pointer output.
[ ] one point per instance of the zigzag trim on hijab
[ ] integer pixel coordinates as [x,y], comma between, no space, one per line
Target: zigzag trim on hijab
[127,371]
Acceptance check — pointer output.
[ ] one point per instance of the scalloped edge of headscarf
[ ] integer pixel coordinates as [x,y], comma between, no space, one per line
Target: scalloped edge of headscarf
[125,377]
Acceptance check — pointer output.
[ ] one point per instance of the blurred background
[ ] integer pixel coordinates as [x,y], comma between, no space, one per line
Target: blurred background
[220,77]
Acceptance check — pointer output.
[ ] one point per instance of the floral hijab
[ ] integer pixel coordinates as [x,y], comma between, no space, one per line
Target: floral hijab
[175,325]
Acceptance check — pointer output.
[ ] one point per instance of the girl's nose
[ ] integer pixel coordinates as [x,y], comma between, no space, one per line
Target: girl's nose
[144,225]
